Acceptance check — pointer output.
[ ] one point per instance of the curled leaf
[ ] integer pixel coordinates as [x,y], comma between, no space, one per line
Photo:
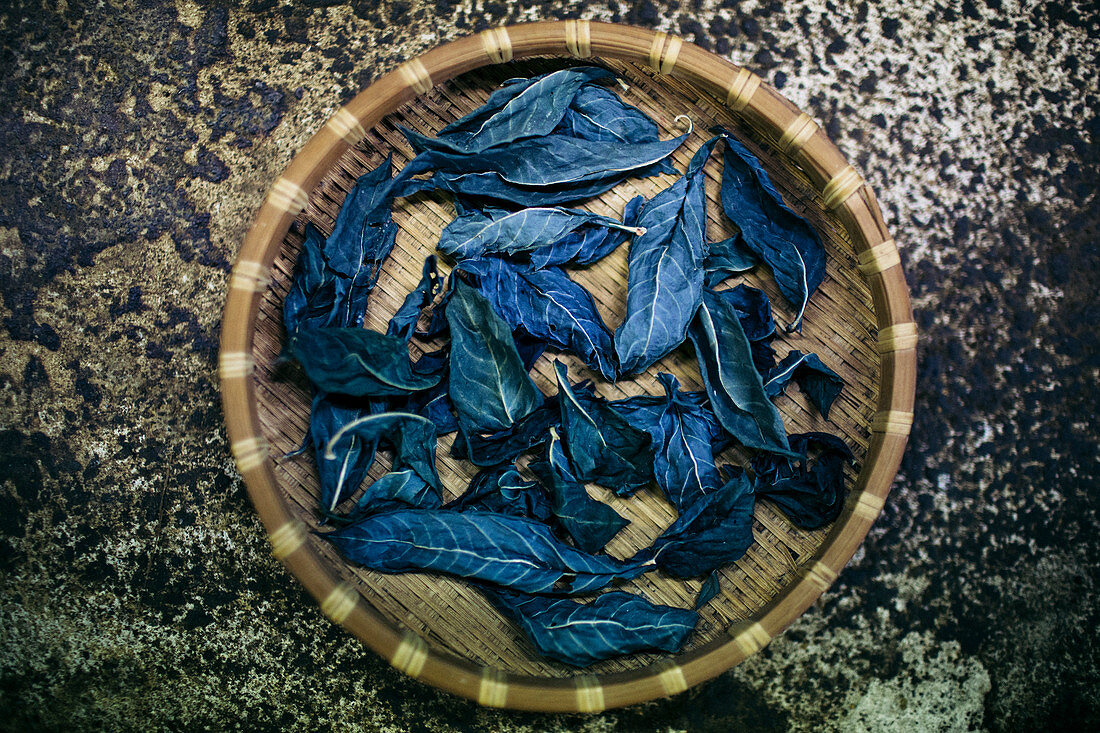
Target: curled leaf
[548,305]
[769,228]
[820,383]
[715,531]
[683,461]
[502,490]
[612,625]
[734,386]
[604,448]
[413,439]
[728,257]
[359,362]
[590,523]
[810,491]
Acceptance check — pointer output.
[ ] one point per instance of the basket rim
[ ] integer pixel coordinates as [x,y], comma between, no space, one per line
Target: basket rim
[843,190]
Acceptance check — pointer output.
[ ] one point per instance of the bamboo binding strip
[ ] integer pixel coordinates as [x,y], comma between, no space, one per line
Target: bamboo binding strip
[841,189]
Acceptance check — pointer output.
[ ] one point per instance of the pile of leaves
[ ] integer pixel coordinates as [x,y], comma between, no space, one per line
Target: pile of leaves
[529,535]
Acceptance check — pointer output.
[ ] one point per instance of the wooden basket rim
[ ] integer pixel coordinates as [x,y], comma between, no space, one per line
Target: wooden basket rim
[843,190]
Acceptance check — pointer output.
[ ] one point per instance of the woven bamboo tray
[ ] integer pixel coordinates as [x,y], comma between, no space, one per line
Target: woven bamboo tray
[441,631]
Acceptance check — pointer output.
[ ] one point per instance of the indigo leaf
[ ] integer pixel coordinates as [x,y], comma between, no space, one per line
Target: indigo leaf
[614,624]
[589,244]
[475,232]
[435,403]
[810,491]
[734,386]
[491,186]
[715,531]
[665,275]
[683,461]
[531,110]
[320,297]
[710,589]
[820,383]
[340,478]
[755,313]
[590,523]
[604,448]
[725,258]
[599,114]
[412,437]
[553,160]
[394,490]
[403,323]
[502,490]
[364,232]
[513,552]
[542,171]
[358,362]
[489,386]
[506,445]
[548,305]
[777,235]
[644,412]
[754,310]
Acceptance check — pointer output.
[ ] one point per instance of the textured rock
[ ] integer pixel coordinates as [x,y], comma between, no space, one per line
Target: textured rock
[136,588]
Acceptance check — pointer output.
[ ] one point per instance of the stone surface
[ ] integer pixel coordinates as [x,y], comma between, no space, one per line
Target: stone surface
[137,589]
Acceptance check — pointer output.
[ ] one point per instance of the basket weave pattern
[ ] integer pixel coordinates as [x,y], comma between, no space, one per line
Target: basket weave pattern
[859,322]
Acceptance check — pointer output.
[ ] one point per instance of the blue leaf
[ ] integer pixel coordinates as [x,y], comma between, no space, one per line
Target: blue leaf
[612,625]
[770,229]
[590,523]
[340,478]
[599,114]
[403,323]
[810,491]
[412,437]
[665,275]
[604,448]
[734,386]
[644,412]
[820,383]
[683,461]
[588,244]
[529,110]
[754,311]
[725,258]
[551,160]
[548,305]
[364,232]
[513,552]
[489,386]
[475,233]
[715,531]
[394,490]
[321,297]
[491,186]
[358,362]
[710,589]
[506,445]
[502,490]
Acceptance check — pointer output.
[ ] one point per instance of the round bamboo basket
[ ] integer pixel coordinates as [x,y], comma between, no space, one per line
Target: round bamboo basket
[438,629]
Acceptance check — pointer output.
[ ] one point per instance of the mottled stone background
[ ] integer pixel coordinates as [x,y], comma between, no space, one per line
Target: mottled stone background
[138,591]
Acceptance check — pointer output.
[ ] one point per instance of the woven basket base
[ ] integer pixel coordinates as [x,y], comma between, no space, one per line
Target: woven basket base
[839,327]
